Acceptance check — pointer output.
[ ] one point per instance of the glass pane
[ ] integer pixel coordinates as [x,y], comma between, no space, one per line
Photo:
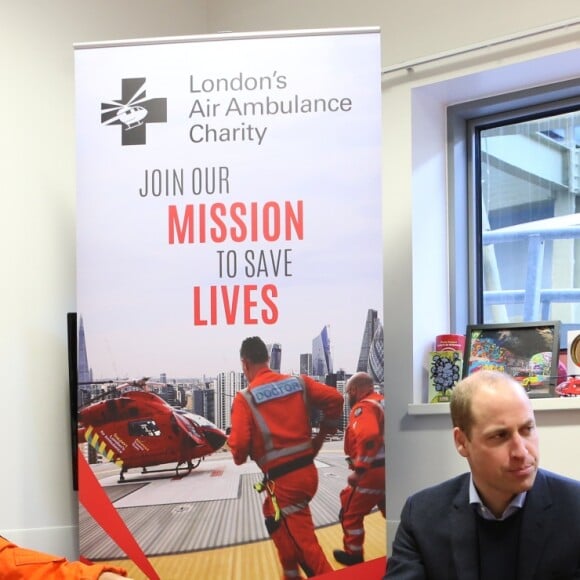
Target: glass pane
[529,181]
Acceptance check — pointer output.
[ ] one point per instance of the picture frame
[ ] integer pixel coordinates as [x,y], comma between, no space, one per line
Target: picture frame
[528,351]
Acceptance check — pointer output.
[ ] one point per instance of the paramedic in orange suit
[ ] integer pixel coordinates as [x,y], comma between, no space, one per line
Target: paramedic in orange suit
[18,563]
[271,425]
[364,445]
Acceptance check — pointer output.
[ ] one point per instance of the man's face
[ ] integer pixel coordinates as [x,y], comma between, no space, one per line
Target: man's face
[502,449]
[351,393]
[245,368]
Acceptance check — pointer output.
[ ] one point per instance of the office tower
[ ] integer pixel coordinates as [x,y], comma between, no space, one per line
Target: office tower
[181,399]
[368,334]
[85,390]
[227,385]
[341,381]
[377,356]
[85,376]
[275,353]
[306,364]
[203,403]
[169,394]
[321,355]
[189,405]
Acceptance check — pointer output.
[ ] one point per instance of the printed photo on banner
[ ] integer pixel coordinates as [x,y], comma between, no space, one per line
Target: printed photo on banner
[228,187]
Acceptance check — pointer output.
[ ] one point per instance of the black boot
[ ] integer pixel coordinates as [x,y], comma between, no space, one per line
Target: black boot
[347,559]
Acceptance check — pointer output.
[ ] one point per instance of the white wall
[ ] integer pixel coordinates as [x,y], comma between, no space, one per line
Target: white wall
[409,28]
[37,233]
[37,226]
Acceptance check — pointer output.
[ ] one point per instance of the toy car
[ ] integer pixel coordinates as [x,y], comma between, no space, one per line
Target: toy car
[569,388]
[528,381]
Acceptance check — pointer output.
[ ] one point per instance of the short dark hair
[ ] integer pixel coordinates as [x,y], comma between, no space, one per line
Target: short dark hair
[461,405]
[254,350]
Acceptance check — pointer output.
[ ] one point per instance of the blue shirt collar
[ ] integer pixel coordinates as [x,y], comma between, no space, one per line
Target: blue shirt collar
[475,500]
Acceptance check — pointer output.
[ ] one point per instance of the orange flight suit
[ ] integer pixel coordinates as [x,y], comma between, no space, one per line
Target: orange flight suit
[271,425]
[22,564]
[364,444]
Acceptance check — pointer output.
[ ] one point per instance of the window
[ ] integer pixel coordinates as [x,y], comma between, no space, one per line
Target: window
[144,428]
[523,225]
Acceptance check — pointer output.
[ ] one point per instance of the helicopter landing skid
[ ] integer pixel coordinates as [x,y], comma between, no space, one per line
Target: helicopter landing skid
[177,472]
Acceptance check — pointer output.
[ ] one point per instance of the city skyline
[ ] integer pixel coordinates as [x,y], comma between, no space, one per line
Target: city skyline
[212,396]
[289,365]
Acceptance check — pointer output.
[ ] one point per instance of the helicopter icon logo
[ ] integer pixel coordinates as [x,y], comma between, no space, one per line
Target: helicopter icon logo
[133,111]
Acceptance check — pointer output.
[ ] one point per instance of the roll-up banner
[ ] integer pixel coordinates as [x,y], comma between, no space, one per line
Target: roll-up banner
[228,186]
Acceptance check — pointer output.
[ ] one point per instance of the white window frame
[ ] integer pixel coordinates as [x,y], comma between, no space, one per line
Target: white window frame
[463,121]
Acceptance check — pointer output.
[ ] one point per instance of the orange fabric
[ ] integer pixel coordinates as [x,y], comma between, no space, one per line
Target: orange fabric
[295,539]
[287,418]
[364,436]
[363,443]
[288,421]
[20,563]
[356,503]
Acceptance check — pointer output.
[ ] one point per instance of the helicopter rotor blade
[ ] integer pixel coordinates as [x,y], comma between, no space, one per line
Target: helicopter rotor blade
[107,106]
[111,120]
[138,101]
[138,96]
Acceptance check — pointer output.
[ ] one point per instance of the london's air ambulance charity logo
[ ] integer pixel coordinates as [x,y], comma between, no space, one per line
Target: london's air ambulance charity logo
[133,111]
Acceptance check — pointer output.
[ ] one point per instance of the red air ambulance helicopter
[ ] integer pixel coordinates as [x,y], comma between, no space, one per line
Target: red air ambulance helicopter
[139,429]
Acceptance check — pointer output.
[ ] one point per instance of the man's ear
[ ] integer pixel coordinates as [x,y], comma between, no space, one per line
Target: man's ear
[460,439]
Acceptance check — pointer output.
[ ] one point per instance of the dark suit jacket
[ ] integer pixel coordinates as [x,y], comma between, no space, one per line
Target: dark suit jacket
[437,540]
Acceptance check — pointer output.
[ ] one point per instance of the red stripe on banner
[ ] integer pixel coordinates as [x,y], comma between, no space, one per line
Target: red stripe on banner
[371,570]
[97,503]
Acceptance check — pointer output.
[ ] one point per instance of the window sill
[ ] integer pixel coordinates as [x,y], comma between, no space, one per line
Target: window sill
[543,404]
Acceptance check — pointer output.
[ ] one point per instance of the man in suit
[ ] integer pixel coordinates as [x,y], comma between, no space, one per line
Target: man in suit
[506,519]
